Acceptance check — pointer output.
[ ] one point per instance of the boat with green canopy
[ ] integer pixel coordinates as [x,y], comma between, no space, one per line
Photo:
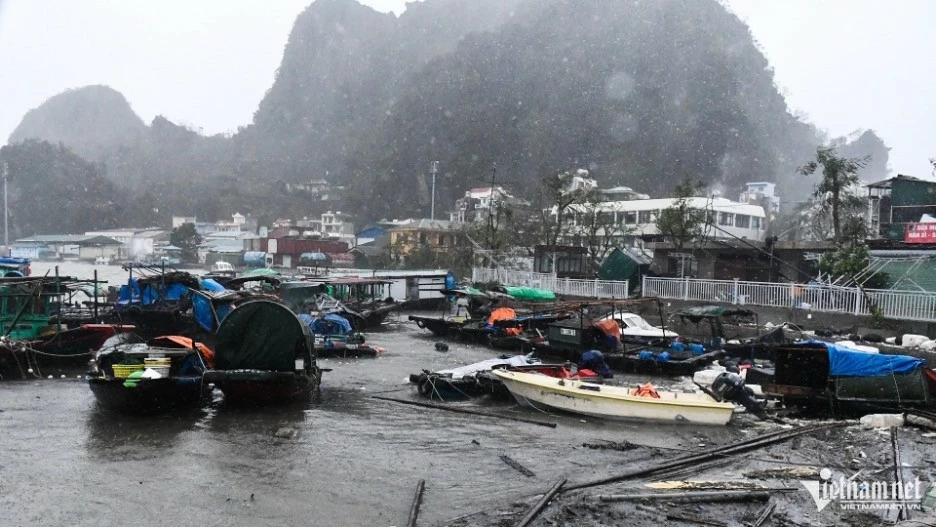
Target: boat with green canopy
[264,354]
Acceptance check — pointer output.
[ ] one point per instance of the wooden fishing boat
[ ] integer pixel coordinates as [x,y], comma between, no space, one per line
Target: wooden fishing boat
[476,380]
[834,379]
[442,326]
[568,340]
[265,356]
[119,383]
[42,328]
[612,402]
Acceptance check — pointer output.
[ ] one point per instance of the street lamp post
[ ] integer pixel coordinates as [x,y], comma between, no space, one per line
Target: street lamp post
[433,168]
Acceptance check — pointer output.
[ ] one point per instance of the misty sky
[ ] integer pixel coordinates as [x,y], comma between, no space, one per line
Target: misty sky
[207,63]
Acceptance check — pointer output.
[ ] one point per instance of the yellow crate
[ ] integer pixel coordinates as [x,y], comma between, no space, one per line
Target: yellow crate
[123,371]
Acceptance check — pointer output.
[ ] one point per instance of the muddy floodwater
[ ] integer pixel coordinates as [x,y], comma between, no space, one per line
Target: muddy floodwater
[354,460]
[350,459]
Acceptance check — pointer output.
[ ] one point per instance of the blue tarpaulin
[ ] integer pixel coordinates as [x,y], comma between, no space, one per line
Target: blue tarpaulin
[328,324]
[203,313]
[176,291]
[846,362]
[210,285]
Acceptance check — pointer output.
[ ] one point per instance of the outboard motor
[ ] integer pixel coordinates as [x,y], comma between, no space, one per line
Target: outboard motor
[730,386]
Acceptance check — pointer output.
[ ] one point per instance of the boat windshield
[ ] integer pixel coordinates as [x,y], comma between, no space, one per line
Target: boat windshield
[635,321]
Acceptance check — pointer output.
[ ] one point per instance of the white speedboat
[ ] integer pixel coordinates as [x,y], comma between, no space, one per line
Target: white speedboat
[614,402]
[222,268]
[635,328]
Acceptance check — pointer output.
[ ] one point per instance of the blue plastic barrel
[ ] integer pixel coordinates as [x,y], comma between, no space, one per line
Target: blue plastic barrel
[645,354]
[663,356]
[677,346]
[696,349]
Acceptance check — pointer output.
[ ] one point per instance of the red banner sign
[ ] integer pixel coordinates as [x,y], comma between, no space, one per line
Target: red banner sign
[920,233]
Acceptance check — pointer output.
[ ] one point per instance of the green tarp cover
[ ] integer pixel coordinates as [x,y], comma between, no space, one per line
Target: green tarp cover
[530,294]
[262,335]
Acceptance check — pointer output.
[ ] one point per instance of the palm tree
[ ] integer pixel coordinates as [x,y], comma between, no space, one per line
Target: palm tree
[839,176]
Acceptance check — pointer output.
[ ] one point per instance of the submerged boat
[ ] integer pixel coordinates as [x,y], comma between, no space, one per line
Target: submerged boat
[613,402]
[448,327]
[829,378]
[568,340]
[475,380]
[264,355]
[468,381]
[161,375]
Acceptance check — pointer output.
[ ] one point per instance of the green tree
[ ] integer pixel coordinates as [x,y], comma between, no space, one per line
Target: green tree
[835,194]
[555,201]
[188,239]
[682,223]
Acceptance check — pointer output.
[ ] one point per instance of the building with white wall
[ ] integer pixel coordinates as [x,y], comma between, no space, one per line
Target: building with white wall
[725,218]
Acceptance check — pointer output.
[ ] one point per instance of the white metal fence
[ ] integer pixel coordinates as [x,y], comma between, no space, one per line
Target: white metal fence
[911,305]
[597,289]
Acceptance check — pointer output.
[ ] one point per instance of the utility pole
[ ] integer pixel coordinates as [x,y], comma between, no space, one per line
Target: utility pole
[6,213]
[490,212]
[433,168]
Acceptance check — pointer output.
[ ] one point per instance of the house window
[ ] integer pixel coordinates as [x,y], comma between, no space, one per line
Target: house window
[710,217]
[605,218]
[422,238]
[644,217]
[726,219]
[755,223]
[630,217]
[743,221]
[441,240]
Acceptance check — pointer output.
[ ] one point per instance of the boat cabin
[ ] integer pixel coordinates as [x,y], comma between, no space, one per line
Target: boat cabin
[574,335]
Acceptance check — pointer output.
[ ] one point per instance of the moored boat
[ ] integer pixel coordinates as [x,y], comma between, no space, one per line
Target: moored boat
[475,380]
[613,402]
[164,374]
[265,355]
[42,327]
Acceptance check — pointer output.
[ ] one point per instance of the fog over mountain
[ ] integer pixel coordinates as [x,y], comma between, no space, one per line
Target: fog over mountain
[641,94]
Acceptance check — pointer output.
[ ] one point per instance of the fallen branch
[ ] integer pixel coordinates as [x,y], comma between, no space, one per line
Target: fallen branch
[696,521]
[516,465]
[695,459]
[538,507]
[694,496]
[464,411]
[765,514]
[417,500]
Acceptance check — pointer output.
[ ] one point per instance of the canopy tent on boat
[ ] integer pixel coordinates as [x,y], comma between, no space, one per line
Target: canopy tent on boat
[262,335]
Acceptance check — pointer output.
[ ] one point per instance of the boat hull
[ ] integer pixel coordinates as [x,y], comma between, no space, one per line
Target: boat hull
[568,396]
[264,387]
[149,396]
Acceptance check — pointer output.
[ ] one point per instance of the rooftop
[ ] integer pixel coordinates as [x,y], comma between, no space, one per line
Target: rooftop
[78,240]
[886,184]
[427,223]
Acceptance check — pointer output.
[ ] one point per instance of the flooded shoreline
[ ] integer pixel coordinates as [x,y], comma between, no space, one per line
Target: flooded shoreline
[353,460]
